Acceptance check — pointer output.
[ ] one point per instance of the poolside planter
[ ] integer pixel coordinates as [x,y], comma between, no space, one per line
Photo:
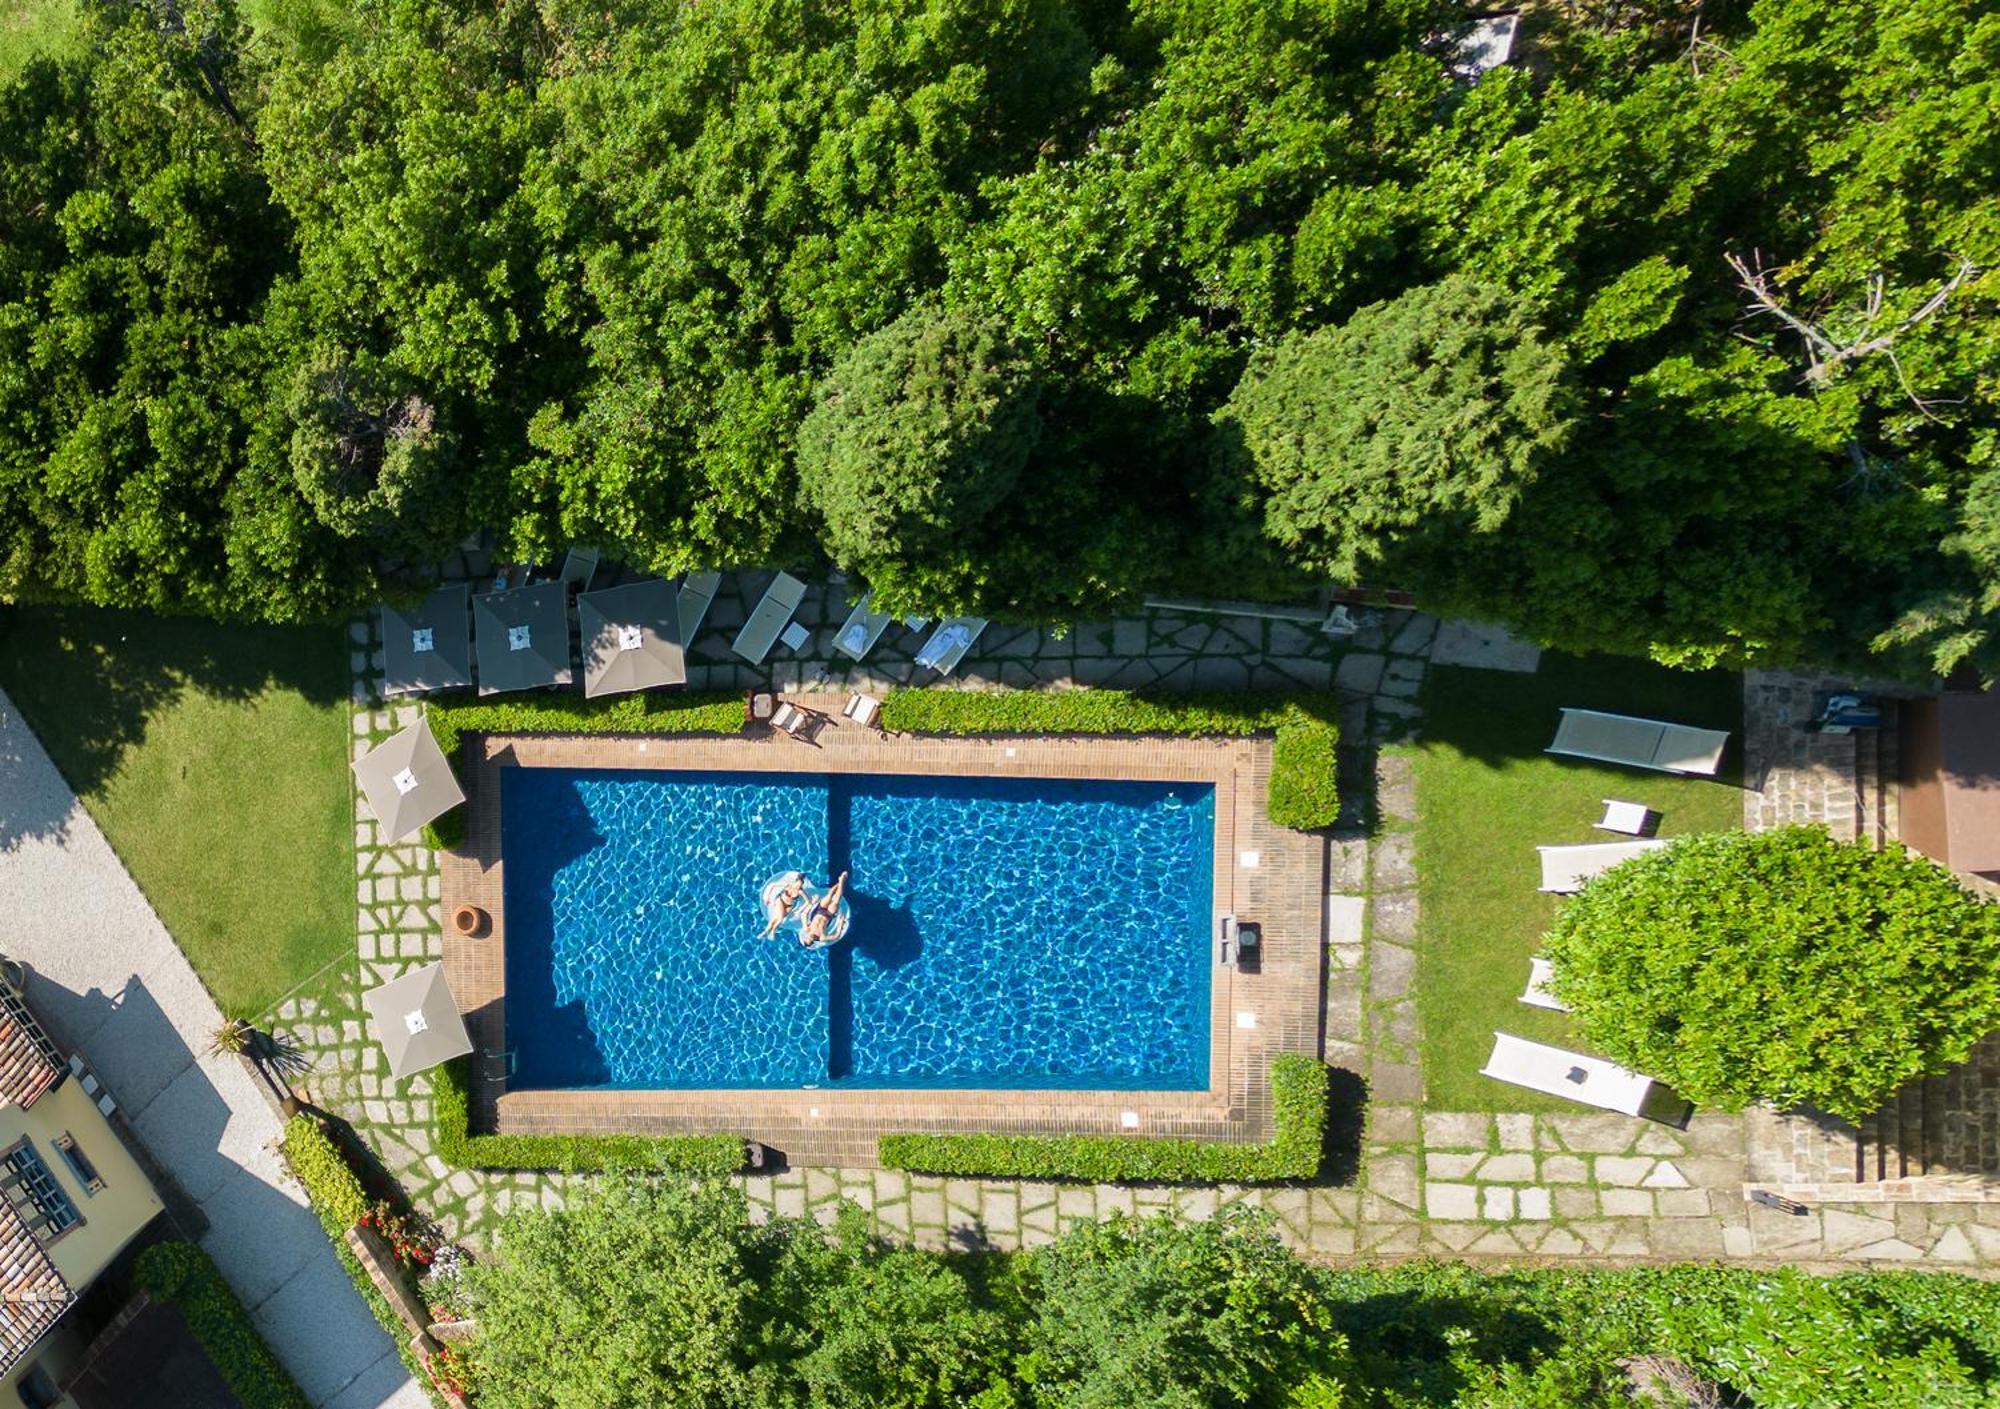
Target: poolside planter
[469,920]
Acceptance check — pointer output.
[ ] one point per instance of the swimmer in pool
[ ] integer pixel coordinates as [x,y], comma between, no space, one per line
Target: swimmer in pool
[823,913]
[788,896]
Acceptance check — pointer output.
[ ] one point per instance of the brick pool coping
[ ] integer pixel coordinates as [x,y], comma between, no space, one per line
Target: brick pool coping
[1283,891]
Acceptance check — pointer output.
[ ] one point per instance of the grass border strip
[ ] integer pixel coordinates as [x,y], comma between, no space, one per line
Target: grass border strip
[1299,1102]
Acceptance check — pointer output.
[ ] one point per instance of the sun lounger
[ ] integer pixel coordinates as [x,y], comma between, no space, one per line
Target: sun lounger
[802,724]
[1554,1072]
[1634,819]
[1639,743]
[949,643]
[862,629]
[1540,971]
[772,613]
[863,710]
[578,568]
[697,591]
[1566,868]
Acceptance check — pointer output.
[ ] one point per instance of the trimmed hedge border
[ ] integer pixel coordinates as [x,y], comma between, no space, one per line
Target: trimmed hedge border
[182,1275]
[331,1185]
[1299,1111]
[646,712]
[455,1144]
[1304,794]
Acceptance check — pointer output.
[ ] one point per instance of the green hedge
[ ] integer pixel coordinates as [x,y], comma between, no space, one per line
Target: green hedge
[648,712]
[1303,793]
[182,1274]
[330,1181]
[1299,1110]
[454,1142]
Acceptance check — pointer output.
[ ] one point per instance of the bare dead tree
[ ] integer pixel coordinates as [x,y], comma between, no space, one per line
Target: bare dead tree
[1828,350]
[1665,1381]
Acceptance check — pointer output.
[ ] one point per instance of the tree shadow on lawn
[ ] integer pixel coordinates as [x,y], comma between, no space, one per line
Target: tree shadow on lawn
[88,680]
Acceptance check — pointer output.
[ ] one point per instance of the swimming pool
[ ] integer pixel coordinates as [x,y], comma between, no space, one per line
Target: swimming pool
[1007,933]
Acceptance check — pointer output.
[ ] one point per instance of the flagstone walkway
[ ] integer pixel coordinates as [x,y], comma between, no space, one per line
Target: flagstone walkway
[1586,1185]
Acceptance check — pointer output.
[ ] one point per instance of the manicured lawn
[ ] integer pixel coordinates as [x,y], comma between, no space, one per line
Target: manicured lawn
[215,759]
[1486,797]
[31,28]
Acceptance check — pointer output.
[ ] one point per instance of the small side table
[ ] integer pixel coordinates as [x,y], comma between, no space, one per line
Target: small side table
[794,636]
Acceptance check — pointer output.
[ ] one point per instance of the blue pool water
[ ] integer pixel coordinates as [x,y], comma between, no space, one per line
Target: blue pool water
[1006,933]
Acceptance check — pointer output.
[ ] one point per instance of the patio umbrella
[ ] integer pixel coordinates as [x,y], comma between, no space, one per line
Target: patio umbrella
[429,648]
[631,638]
[408,781]
[522,638]
[417,1021]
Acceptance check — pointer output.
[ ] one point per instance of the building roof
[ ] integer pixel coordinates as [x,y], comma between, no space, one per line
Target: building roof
[417,1021]
[631,638]
[429,648]
[33,1295]
[522,638]
[29,1063]
[1968,769]
[408,781]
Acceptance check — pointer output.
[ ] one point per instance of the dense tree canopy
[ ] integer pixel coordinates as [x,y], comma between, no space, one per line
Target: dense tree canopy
[1780,966]
[1725,296]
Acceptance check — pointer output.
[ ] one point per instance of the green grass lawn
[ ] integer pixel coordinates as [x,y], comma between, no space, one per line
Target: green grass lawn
[215,759]
[1487,796]
[30,28]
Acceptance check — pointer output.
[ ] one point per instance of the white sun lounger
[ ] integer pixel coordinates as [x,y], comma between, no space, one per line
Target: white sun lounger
[1566,868]
[1639,743]
[1540,971]
[697,591]
[1554,1072]
[862,629]
[773,611]
[949,643]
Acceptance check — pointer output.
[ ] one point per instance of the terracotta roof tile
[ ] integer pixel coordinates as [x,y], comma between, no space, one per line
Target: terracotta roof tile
[29,1064]
[33,1295]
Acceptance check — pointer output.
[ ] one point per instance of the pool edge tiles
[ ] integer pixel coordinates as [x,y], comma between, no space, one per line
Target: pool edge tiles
[1284,891]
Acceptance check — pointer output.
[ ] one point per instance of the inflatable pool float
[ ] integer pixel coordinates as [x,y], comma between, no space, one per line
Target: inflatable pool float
[794,922]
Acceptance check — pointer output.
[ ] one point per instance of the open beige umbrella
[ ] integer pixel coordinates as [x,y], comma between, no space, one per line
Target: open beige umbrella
[408,781]
[417,1021]
[631,638]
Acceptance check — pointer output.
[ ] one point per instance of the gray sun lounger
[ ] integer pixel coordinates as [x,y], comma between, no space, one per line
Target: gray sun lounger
[1566,868]
[949,643]
[697,591]
[773,612]
[1639,743]
[862,629]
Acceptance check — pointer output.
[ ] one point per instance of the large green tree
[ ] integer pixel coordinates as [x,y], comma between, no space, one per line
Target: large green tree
[1418,421]
[1780,966]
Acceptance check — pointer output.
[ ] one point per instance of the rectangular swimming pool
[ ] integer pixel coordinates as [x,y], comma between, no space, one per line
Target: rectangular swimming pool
[1006,933]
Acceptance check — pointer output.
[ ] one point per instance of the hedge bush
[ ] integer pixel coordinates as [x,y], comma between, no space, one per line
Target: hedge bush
[455,1144]
[1299,1111]
[1780,966]
[182,1275]
[330,1181]
[1303,792]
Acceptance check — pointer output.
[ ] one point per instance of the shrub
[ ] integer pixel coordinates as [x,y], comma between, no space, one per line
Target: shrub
[455,1143]
[330,1182]
[1299,1113]
[1780,966]
[649,712]
[1303,791]
[182,1275]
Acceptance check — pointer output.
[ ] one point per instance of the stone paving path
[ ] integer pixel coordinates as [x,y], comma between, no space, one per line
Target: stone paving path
[109,982]
[1585,1185]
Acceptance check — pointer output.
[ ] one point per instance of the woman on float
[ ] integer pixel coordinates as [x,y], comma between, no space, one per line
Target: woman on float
[780,905]
[823,913]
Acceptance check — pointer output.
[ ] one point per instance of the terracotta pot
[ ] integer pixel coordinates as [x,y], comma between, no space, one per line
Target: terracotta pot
[468,919]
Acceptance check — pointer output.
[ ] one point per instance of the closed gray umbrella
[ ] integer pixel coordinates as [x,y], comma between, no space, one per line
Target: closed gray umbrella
[522,638]
[631,638]
[417,1021]
[429,648]
[408,781]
